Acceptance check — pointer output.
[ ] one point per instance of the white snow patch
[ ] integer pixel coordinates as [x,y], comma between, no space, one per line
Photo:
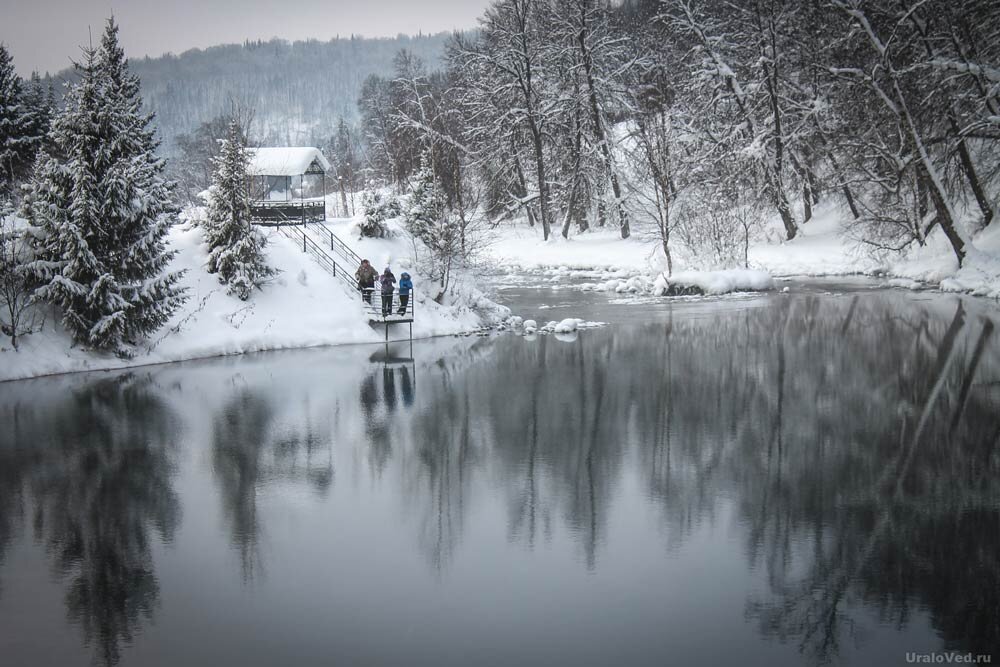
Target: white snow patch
[285,161]
[716,282]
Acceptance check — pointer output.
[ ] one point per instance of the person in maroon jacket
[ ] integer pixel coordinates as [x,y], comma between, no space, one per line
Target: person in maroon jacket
[388,282]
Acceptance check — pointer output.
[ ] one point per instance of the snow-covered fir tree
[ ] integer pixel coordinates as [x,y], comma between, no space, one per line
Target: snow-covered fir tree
[236,247]
[13,124]
[378,209]
[38,100]
[100,210]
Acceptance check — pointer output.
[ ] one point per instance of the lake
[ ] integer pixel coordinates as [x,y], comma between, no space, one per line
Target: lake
[792,479]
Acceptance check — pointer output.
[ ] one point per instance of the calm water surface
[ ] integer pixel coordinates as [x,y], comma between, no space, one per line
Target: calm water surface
[800,479]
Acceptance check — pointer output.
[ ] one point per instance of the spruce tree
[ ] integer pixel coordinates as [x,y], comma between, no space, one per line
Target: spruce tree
[236,247]
[100,209]
[13,125]
[39,103]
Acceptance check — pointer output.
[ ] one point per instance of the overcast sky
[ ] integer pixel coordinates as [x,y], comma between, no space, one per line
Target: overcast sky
[46,34]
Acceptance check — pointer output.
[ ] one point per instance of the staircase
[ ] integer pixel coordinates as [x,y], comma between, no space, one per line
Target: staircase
[315,238]
[319,253]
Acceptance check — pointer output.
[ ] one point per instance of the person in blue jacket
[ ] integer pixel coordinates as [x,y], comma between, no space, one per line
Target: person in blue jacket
[405,287]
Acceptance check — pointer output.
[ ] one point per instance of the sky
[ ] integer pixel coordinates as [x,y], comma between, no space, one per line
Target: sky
[45,35]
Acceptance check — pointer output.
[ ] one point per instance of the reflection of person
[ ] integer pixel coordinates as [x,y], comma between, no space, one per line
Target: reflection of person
[389,388]
[407,387]
[405,285]
[388,281]
[366,275]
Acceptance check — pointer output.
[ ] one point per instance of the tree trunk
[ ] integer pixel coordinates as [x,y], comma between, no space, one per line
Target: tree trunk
[807,209]
[543,185]
[934,184]
[343,199]
[784,210]
[598,121]
[946,221]
[523,193]
[970,174]
[776,165]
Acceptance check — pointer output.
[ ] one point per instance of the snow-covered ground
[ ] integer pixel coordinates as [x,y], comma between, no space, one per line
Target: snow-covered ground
[822,248]
[303,306]
[306,307]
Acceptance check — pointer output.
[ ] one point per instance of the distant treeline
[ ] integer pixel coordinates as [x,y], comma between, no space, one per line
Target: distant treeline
[297,90]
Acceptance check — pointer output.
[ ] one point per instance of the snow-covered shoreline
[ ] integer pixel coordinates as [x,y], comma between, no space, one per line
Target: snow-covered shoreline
[305,307]
[302,307]
[821,250]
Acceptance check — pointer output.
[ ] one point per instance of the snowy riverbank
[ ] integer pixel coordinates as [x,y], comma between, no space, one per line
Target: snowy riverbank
[821,249]
[302,307]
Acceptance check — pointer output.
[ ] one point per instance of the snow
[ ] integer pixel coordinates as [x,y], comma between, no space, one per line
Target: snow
[716,282]
[303,306]
[822,248]
[523,248]
[570,325]
[285,161]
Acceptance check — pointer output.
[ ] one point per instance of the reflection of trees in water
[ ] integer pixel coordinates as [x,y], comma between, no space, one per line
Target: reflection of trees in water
[250,450]
[14,459]
[842,497]
[97,468]
[856,437]
[551,415]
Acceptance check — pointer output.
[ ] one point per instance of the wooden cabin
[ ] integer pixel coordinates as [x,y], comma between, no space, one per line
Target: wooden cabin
[287,185]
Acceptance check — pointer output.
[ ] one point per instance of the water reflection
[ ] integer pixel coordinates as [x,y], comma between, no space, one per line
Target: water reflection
[252,449]
[859,442]
[845,450]
[96,467]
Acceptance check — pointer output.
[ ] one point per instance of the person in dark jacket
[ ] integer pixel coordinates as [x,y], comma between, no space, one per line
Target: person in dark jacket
[366,275]
[405,287]
[388,282]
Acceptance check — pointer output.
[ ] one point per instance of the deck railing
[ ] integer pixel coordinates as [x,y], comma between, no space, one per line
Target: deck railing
[377,305]
[382,307]
[338,247]
[299,235]
[288,212]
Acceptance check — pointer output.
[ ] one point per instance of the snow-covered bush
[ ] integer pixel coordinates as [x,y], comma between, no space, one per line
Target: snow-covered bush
[15,289]
[378,209]
[720,236]
[439,229]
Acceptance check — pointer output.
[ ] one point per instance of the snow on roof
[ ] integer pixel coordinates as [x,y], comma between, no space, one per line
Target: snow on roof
[286,161]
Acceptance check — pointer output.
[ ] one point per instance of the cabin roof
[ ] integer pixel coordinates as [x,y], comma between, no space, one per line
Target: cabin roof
[285,161]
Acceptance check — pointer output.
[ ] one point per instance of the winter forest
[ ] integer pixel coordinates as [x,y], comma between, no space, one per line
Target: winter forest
[587,332]
[694,124]
[702,117]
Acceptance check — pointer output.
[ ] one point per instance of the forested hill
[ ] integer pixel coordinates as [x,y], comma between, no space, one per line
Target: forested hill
[297,90]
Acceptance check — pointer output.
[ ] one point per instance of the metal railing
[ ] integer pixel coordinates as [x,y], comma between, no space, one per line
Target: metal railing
[288,212]
[389,310]
[382,307]
[298,234]
[337,246]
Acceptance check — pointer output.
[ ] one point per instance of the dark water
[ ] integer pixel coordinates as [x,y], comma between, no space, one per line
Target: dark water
[792,480]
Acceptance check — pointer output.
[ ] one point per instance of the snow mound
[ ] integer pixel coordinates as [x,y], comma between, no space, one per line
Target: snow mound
[713,282]
[905,283]
[567,326]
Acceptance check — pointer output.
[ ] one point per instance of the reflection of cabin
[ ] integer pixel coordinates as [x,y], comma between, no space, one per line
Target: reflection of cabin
[287,185]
